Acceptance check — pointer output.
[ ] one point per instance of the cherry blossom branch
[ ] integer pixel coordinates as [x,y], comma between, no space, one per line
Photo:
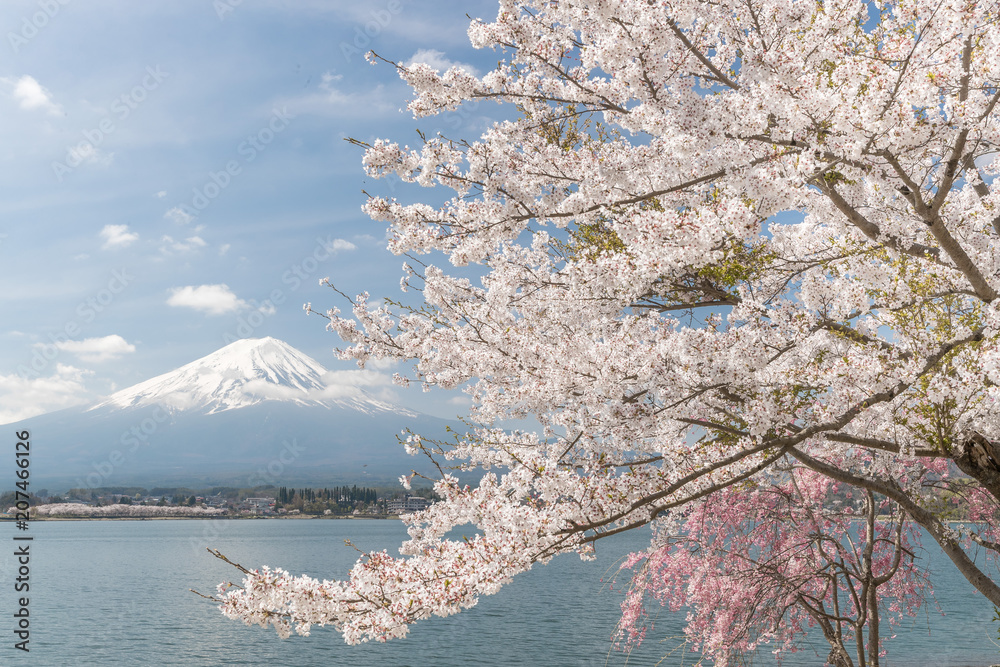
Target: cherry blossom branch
[931,523]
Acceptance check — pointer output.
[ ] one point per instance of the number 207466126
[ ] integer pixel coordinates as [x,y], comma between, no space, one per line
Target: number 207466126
[22,472]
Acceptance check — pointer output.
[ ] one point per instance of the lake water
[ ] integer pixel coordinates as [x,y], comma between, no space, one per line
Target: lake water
[116,593]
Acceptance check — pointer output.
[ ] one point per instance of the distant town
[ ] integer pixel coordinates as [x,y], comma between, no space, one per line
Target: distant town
[337,501]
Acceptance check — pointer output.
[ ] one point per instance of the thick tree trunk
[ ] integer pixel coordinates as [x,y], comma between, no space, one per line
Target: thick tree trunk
[873,629]
[839,657]
[979,458]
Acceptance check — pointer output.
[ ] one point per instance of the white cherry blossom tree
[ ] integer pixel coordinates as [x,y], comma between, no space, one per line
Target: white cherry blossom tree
[718,237]
[122,511]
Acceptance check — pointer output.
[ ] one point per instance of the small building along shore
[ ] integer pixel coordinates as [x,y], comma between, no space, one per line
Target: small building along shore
[407,505]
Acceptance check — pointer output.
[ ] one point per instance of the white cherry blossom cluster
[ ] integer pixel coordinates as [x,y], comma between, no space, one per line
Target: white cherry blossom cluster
[718,237]
[118,510]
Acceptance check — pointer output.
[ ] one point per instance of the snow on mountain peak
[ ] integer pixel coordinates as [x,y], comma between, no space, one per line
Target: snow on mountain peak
[243,373]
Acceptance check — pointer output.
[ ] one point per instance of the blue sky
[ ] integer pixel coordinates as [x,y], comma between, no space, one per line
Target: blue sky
[169,168]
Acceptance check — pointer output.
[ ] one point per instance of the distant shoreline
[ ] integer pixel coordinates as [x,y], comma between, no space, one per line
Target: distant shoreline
[297,517]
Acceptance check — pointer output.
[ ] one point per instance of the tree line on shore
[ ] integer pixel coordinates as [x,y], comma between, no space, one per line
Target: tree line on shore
[307,500]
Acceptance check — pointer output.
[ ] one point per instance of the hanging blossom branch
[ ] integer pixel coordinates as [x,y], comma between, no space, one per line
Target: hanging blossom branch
[757,567]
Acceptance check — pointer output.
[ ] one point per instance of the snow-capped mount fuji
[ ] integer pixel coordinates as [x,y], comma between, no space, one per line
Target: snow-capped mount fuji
[257,411]
[244,373]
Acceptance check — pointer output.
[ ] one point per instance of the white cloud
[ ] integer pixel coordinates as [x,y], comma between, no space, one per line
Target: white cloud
[267,389]
[30,94]
[328,99]
[365,384]
[335,392]
[461,401]
[436,61]
[161,194]
[381,364]
[169,245]
[339,245]
[180,400]
[96,350]
[211,299]
[86,153]
[359,378]
[178,215]
[224,249]
[117,236]
[21,398]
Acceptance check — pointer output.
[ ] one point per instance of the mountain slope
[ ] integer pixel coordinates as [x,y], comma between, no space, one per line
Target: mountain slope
[255,412]
[246,372]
